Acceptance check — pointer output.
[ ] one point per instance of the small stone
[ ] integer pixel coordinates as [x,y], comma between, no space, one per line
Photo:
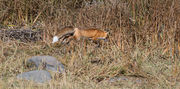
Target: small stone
[114,79]
[39,76]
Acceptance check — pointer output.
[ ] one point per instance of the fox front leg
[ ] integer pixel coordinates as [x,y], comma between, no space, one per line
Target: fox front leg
[97,42]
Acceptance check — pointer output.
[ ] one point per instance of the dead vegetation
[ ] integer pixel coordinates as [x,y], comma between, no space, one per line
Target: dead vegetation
[144,42]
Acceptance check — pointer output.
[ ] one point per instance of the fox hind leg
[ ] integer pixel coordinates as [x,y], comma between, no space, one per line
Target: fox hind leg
[65,38]
[70,39]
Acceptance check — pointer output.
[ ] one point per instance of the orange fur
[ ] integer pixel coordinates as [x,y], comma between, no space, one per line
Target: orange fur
[94,34]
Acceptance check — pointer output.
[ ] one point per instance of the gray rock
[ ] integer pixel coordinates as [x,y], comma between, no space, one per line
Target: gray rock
[24,35]
[49,62]
[114,79]
[39,76]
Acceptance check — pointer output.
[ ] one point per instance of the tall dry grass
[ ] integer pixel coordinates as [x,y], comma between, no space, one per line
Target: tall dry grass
[144,42]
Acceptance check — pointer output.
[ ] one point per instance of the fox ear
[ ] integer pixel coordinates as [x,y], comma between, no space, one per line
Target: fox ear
[107,29]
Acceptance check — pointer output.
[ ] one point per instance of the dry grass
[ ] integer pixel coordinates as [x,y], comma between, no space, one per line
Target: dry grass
[144,43]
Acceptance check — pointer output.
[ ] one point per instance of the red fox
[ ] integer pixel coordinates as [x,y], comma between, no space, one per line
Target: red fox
[64,32]
[93,34]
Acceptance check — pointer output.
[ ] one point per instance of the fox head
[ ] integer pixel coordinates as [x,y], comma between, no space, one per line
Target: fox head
[106,37]
[107,30]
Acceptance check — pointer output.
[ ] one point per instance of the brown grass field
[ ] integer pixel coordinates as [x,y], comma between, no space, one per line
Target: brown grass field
[144,43]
